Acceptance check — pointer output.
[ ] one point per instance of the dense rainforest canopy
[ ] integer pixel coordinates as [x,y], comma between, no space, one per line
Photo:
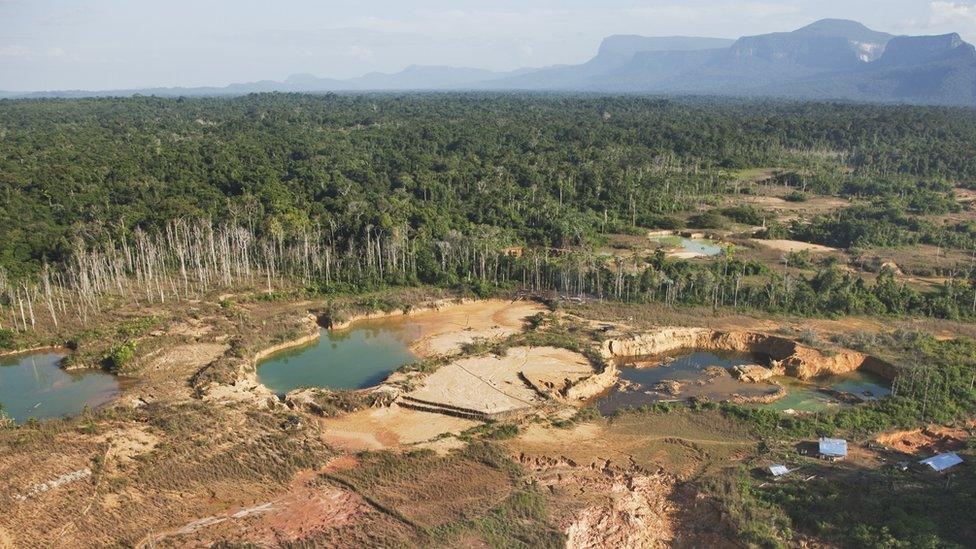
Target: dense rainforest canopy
[360,190]
[550,169]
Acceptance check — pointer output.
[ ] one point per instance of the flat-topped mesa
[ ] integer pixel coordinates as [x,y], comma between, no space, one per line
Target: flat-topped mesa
[786,356]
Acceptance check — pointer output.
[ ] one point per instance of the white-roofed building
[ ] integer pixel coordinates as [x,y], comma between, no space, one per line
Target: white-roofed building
[833,448]
[941,462]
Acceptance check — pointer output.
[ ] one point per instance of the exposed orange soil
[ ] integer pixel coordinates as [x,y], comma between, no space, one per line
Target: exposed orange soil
[382,428]
[931,440]
[309,507]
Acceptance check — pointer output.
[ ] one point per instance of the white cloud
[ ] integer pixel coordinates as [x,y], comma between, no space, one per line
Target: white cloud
[14,50]
[694,13]
[953,13]
[359,52]
[952,17]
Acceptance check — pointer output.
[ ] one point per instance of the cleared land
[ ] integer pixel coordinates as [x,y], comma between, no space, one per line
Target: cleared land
[795,246]
[444,331]
[496,385]
[389,427]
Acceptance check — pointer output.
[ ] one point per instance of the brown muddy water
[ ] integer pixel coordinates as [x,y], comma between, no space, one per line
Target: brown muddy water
[645,381]
[698,374]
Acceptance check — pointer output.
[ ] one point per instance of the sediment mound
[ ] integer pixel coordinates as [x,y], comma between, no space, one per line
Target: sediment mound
[752,373]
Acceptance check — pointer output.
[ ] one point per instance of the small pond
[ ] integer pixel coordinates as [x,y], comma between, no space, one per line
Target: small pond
[696,374]
[699,247]
[354,358]
[35,386]
[811,397]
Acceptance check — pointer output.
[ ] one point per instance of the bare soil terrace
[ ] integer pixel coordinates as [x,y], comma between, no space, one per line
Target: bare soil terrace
[177,462]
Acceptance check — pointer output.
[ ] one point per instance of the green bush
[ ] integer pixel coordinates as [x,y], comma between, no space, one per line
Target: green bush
[137,326]
[117,357]
[748,215]
[6,338]
[708,220]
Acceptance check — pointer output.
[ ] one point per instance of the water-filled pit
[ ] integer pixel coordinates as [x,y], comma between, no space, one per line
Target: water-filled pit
[805,396]
[353,358]
[697,247]
[35,386]
[690,374]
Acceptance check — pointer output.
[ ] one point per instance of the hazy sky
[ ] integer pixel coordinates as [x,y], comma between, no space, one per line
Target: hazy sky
[106,44]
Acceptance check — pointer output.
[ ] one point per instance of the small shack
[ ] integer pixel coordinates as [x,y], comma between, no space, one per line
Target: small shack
[778,470]
[833,449]
[941,462]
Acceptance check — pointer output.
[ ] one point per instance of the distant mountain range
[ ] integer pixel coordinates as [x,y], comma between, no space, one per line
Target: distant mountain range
[829,59]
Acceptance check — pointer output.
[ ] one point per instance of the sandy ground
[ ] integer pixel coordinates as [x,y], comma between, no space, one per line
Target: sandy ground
[443,332]
[165,375]
[550,370]
[616,484]
[686,255]
[383,428]
[813,205]
[486,384]
[607,506]
[126,444]
[795,246]
[492,384]
[681,445]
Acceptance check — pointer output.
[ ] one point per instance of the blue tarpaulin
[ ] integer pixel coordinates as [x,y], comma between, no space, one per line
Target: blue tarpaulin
[942,462]
[833,447]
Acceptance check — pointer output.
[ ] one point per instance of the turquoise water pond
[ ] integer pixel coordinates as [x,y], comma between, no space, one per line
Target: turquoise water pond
[697,246]
[355,358]
[35,386]
[807,397]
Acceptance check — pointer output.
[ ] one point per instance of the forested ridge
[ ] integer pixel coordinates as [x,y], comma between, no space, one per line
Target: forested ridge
[445,182]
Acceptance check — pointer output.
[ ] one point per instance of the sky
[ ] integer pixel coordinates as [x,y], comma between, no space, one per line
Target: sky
[117,44]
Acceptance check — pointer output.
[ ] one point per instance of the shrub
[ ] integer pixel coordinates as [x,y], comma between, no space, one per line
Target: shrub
[6,338]
[117,357]
[137,326]
[707,220]
[748,215]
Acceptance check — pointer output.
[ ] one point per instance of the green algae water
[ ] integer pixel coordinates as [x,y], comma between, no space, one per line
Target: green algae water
[35,386]
[699,246]
[354,358]
[805,396]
